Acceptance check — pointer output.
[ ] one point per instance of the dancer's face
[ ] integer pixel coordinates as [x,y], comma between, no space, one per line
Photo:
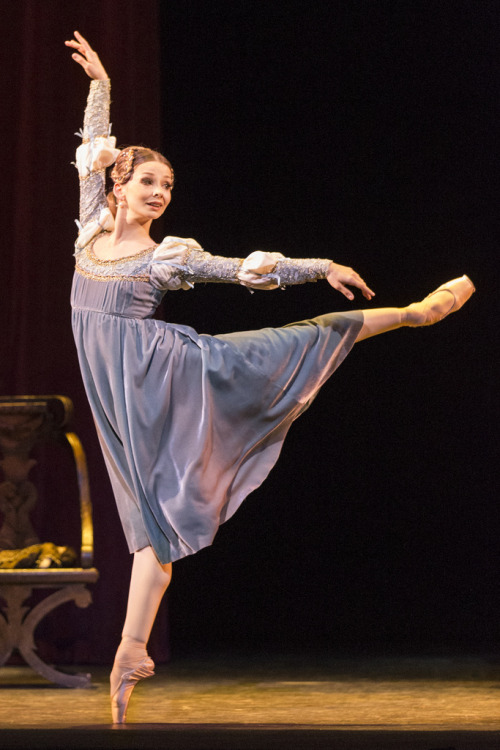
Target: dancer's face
[148,192]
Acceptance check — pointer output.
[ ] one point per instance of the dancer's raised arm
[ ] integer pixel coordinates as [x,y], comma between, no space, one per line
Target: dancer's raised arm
[98,148]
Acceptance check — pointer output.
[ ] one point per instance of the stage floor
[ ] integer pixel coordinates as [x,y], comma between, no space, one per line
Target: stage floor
[266,702]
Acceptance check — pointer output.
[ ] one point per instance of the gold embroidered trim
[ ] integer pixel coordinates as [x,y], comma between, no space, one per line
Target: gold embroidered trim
[97,277]
[93,257]
[102,135]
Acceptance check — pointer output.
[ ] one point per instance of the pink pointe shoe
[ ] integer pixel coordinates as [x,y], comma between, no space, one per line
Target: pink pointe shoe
[426,313]
[120,695]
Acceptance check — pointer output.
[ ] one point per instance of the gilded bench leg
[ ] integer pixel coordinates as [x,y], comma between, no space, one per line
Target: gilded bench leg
[7,642]
[17,630]
[11,622]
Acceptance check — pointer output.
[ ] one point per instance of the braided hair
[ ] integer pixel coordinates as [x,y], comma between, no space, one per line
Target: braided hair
[129,158]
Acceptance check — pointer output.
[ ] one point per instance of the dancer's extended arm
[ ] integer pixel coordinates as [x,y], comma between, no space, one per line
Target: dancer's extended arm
[180,263]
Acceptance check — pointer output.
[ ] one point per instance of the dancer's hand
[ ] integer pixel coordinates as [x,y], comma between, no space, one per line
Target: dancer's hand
[87,58]
[338,276]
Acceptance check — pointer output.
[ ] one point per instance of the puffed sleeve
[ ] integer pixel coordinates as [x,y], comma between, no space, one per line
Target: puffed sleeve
[180,263]
[96,152]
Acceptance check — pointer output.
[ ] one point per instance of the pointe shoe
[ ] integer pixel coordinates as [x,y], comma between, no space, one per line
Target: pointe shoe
[126,683]
[426,314]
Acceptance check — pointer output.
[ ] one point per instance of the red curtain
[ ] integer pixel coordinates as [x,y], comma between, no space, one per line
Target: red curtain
[43,99]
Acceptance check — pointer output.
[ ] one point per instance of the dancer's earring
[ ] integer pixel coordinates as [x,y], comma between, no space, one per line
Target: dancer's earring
[119,198]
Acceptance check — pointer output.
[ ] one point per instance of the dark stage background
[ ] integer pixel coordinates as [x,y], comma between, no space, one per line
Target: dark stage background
[362,131]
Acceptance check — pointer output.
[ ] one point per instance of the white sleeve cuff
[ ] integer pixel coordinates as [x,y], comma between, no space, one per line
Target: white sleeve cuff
[168,258]
[257,270]
[104,222]
[97,153]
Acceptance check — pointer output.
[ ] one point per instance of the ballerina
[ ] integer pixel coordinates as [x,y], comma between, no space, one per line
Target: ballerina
[189,424]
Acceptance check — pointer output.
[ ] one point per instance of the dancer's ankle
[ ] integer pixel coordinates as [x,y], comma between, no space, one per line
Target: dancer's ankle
[131,639]
[130,651]
[413,315]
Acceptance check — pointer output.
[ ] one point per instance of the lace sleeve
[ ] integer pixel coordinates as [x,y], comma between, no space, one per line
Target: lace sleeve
[180,263]
[94,136]
[203,267]
[300,270]
[259,271]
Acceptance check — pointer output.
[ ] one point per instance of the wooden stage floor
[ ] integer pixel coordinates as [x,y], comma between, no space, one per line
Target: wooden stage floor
[267,702]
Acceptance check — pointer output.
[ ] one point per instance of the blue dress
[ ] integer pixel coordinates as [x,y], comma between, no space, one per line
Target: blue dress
[189,424]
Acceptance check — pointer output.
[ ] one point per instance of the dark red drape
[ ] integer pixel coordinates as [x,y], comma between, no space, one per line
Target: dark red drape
[43,98]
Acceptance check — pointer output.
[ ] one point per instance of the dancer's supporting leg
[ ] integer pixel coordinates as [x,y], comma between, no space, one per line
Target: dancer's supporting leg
[148,583]
[436,306]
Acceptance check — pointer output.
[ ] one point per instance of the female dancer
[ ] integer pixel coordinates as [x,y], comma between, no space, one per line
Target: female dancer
[189,425]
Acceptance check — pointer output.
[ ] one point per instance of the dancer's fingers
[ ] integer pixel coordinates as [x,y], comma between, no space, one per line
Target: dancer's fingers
[345,291]
[80,44]
[340,277]
[80,60]
[86,57]
[356,280]
[82,41]
[363,286]
[80,55]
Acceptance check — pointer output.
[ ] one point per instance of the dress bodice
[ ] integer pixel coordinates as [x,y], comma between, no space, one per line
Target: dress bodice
[128,299]
[117,287]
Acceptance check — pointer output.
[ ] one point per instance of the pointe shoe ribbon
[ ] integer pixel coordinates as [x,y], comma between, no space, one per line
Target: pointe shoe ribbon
[128,680]
[461,289]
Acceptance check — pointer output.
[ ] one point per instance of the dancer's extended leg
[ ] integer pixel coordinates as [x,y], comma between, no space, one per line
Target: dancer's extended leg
[148,583]
[436,306]
[380,320]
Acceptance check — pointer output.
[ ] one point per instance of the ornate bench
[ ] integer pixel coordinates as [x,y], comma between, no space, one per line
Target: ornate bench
[24,421]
